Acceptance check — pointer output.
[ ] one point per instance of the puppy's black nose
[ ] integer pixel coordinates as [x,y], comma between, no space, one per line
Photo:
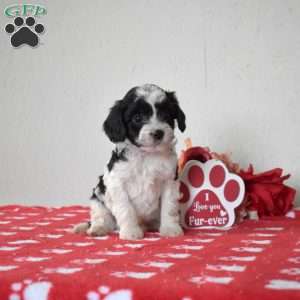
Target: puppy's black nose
[158,135]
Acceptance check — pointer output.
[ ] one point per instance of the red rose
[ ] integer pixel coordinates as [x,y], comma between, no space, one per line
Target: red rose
[266,193]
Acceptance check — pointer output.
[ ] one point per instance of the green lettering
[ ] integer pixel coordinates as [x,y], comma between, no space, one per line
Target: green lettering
[40,11]
[28,9]
[12,11]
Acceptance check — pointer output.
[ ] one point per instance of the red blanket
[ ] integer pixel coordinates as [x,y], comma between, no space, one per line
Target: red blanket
[40,259]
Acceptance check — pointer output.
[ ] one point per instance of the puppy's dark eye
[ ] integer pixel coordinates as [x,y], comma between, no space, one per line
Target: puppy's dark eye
[137,118]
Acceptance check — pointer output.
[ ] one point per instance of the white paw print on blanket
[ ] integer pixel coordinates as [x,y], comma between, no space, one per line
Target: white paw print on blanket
[56,251]
[135,275]
[173,255]
[199,280]
[295,260]
[28,290]
[291,271]
[4,222]
[104,291]
[130,245]
[79,244]
[5,233]
[89,261]
[50,235]
[156,264]
[8,248]
[7,268]
[31,259]
[282,284]
[23,242]
[62,270]
[112,253]
[23,228]
[188,247]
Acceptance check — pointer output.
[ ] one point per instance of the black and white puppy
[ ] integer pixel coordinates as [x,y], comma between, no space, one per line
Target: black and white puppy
[139,190]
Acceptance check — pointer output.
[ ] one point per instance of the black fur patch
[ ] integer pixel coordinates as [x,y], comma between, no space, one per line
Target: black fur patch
[114,125]
[168,110]
[94,196]
[135,117]
[176,173]
[115,157]
[100,188]
[101,185]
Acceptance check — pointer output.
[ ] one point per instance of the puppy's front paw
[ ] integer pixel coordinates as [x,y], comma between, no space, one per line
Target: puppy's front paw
[80,228]
[171,230]
[132,233]
[97,230]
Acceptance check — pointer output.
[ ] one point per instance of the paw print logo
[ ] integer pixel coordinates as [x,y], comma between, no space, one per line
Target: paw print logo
[24,32]
[209,195]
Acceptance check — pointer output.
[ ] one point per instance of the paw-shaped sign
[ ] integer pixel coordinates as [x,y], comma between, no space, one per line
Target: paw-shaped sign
[209,195]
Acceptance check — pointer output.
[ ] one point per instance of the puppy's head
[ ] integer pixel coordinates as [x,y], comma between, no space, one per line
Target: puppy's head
[146,117]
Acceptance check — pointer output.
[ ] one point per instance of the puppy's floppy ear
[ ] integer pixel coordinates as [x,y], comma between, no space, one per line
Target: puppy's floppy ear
[114,126]
[178,113]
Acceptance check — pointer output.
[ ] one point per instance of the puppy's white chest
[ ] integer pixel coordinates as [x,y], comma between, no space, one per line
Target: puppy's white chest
[144,188]
[145,183]
[145,197]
